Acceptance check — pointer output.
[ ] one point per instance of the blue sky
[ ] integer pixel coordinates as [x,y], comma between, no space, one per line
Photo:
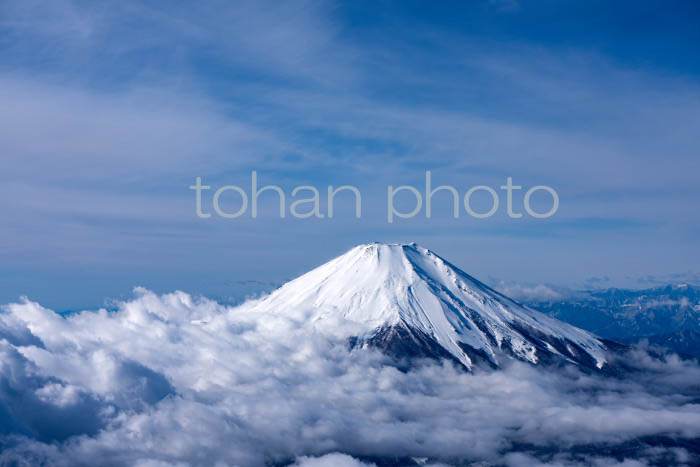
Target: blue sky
[111,109]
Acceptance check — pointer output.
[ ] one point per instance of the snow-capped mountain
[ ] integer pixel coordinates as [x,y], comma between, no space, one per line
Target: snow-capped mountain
[410,302]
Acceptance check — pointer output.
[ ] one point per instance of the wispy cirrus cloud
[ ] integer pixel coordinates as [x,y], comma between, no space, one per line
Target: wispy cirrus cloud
[110,112]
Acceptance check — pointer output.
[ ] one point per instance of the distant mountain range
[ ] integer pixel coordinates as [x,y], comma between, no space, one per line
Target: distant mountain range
[667,316]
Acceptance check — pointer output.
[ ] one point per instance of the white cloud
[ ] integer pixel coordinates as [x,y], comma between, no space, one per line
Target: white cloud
[110,112]
[175,379]
[526,292]
[330,460]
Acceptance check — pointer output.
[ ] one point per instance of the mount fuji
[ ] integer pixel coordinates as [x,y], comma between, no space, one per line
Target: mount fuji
[411,303]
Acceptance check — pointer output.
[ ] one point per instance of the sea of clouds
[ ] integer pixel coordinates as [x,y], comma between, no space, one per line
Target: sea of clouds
[178,380]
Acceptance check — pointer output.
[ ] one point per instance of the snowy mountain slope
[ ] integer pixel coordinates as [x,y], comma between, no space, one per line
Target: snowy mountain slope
[409,301]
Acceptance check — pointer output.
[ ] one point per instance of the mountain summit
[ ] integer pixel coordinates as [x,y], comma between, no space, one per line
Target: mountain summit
[412,303]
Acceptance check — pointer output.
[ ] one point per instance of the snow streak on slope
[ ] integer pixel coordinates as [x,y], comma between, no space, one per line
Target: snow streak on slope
[380,287]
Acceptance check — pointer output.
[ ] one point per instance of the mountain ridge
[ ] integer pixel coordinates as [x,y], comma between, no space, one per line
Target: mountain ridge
[622,314]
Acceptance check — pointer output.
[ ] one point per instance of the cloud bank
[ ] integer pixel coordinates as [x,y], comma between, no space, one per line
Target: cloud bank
[179,380]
